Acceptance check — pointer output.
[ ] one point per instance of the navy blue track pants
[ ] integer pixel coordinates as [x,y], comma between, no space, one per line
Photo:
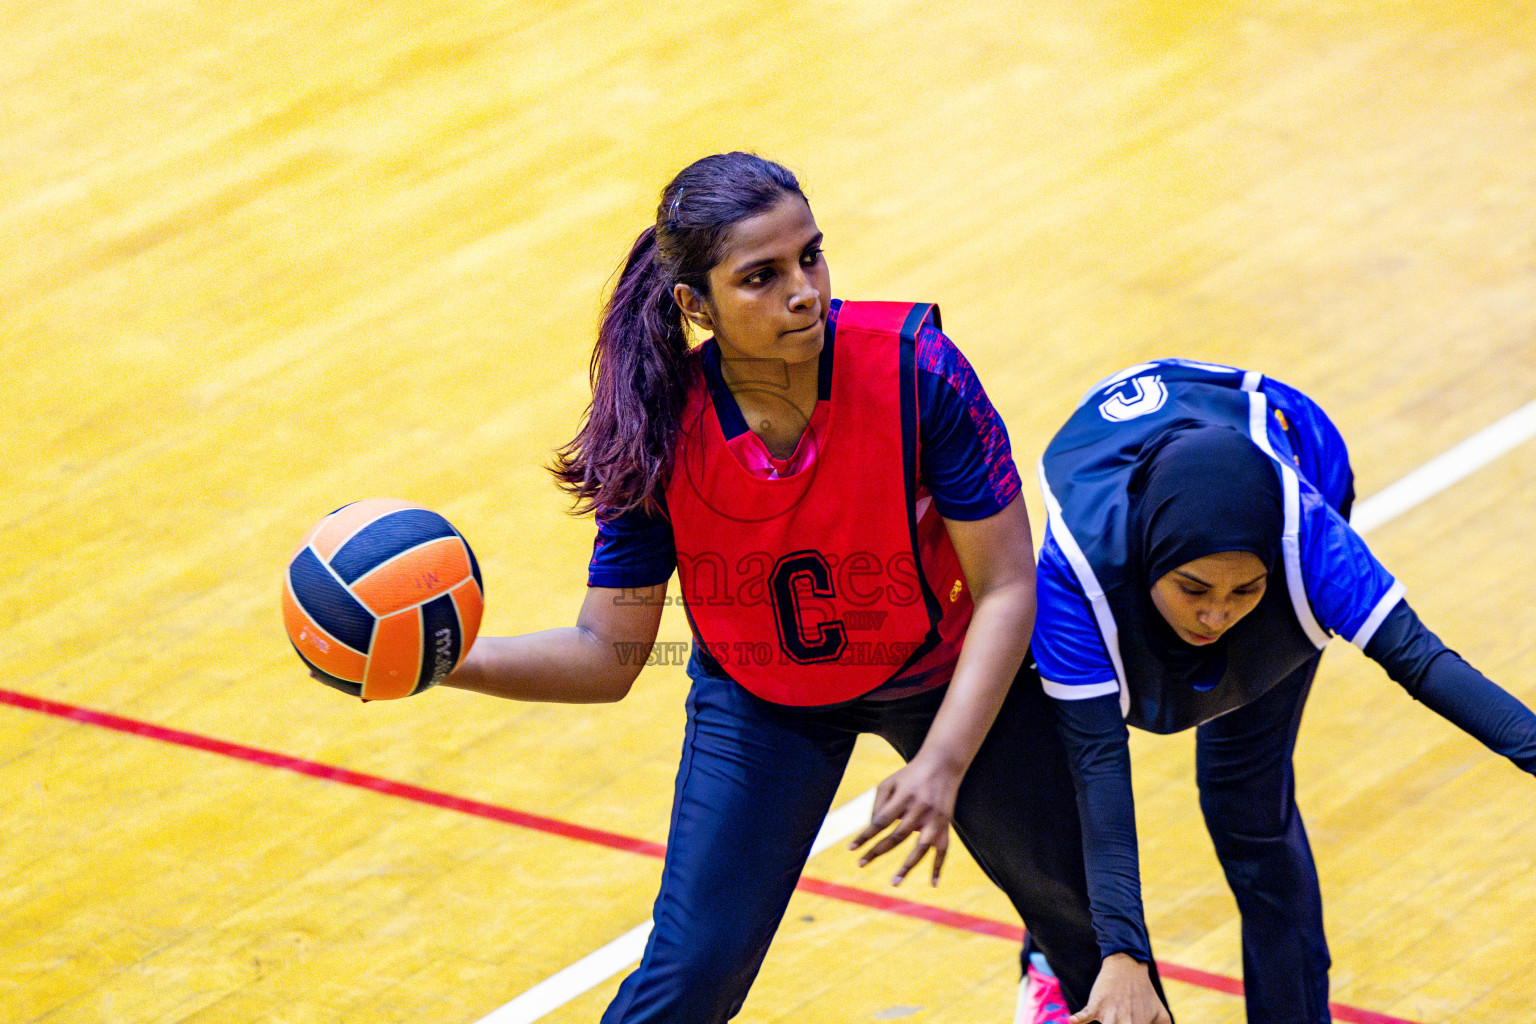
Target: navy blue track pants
[1243,765]
[753,787]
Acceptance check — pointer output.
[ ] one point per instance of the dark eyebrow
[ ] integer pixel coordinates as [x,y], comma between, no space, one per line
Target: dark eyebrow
[1196,579]
[746,269]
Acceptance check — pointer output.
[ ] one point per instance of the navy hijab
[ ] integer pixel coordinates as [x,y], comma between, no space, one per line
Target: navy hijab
[1199,490]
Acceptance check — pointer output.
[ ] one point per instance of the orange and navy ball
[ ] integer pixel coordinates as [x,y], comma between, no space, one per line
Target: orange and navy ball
[382,599]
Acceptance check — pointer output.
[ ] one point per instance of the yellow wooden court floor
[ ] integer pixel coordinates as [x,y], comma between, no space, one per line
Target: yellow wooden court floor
[260,260]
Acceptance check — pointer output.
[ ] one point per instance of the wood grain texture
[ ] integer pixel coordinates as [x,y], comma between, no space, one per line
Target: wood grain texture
[257,261]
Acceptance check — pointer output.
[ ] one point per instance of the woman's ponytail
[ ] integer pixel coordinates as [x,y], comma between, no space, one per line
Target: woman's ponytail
[639,374]
[642,365]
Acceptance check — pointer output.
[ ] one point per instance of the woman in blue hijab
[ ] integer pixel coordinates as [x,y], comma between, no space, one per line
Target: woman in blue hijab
[1197,559]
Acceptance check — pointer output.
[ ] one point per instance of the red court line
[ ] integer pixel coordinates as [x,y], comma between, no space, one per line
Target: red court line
[906,908]
[612,840]
[270,759]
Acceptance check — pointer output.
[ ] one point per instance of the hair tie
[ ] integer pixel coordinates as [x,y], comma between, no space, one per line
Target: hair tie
[672,222]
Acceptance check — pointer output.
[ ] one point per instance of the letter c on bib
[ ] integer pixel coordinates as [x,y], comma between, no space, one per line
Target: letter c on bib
[805,574]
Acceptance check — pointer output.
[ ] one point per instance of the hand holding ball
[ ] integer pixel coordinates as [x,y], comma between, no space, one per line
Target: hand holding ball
[382,599]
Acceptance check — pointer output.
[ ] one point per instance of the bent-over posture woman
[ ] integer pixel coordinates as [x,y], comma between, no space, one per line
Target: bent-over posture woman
[1197,558]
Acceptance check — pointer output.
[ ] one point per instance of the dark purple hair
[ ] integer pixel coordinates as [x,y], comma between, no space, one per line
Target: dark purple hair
[642,363]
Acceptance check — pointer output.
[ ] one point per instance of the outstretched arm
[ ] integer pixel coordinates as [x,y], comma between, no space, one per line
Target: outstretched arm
[1438,677]
[1080,677]
[1098,754]
[1096,738]
[594,661]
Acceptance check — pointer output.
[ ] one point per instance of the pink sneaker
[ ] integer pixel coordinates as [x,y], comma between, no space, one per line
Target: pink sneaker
[1040,1000]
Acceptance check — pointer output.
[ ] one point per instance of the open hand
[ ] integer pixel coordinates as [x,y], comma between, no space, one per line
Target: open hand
[1122,994]
[918,799]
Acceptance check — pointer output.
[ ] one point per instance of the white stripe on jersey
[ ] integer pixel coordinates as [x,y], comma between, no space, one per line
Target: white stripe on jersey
[1290,540]
[1062,691]
[1091,589]
[1379,614]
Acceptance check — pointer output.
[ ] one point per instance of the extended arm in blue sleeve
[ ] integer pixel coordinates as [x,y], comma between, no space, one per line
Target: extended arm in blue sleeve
[1438,677]
[1097,741]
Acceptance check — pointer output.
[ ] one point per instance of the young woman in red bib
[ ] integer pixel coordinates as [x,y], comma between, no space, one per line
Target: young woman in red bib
[839,502]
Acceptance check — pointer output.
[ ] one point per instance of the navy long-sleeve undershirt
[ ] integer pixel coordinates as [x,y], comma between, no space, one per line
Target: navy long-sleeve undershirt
[1097,741]
[1442,681]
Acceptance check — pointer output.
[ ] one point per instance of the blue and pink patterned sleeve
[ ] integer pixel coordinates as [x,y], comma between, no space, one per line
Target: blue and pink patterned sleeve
[964,457]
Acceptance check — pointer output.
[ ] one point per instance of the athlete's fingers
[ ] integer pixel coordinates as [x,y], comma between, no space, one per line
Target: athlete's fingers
[1121,996]
[876,825]
[892,840]
[1087,1015]
[940,851]
[933,836]
[919,848]
[888,809]
[880,819]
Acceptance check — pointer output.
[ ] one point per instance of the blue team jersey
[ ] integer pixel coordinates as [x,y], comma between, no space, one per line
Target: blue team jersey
[965,464]
[1085,642]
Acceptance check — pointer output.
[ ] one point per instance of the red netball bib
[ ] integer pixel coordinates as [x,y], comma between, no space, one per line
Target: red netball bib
[806,587]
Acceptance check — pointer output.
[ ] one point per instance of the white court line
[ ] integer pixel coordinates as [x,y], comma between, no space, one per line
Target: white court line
[1379,509]
[582,976]
[1442,471]
[595,968]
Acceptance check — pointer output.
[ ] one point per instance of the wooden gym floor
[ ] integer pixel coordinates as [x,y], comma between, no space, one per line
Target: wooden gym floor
[259,260]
